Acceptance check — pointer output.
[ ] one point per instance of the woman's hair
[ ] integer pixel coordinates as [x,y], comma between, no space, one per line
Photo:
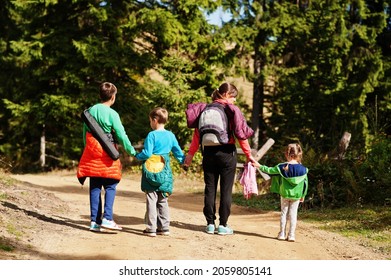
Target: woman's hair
[160,114]
[293,151]
[224,89]
[106,91]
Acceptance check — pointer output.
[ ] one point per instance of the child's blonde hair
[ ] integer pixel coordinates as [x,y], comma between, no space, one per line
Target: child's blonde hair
[293,151]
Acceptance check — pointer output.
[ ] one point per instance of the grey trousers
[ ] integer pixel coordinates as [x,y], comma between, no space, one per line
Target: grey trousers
[157,215]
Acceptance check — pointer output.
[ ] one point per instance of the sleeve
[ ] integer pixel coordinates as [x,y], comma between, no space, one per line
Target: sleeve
[305,188]
[122,137]
[270,170]
[195,142]
[245,147]
[147,151]
[177,151]
[240,127]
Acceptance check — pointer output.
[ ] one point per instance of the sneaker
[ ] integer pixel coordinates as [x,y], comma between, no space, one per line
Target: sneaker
[148,232]
[224,230]
[163,232]
[210,229]
[110,224]
[95,227]
[281,236]
[291,238]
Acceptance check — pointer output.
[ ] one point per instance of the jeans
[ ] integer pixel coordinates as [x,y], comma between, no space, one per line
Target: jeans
[110,187]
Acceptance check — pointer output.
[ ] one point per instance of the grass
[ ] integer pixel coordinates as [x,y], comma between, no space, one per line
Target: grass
[4,247]
[3,196]
[12,230]
[370,225]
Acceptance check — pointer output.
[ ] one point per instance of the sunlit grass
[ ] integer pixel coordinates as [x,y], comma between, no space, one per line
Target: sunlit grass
[12,230]
[370,225]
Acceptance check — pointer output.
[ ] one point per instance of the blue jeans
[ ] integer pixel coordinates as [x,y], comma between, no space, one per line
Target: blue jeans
[110,186]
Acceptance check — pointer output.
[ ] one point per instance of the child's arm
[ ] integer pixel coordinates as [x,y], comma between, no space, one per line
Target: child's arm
[266,169]
[177,151]
[122,137]
[147,151]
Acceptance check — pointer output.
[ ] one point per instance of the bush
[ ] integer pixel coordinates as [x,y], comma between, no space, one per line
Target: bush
[376,170]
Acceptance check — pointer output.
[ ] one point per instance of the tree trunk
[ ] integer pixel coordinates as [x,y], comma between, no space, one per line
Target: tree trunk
[42,156]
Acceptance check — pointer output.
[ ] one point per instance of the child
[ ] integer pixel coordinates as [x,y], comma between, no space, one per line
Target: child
[219,161]
[96,163]
[291,183]
[157,179]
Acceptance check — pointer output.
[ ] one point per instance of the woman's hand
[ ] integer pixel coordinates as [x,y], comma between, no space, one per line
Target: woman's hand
[187,161]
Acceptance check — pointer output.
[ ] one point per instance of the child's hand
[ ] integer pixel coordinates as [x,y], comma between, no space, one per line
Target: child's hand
[255,164]
[302,199]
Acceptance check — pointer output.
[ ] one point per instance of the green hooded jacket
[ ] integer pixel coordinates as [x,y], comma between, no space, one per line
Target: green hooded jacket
[295,187]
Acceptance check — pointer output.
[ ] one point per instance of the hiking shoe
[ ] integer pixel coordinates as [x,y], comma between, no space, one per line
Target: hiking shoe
[281,236]
[225,230]
[95,227]
[291,238]
[148,232]
[163,232]
[110,224]
[210,229]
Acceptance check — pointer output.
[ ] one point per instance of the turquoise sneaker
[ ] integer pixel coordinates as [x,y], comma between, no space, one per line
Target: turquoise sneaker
[225,230]
[95,227]
[210,229]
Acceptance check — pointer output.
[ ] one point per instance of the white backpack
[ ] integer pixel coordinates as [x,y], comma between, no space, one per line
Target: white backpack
[213,125]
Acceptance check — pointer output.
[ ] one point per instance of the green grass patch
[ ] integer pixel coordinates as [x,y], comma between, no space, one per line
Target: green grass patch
[5,179]
[12,230]
[3,196]
[5,247]
[370,225]
[264,202]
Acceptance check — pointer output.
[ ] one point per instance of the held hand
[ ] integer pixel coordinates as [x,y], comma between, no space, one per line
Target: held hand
[187,161]
[254,162]
[251,159]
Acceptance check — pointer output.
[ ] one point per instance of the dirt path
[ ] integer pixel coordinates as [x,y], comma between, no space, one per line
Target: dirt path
[51,213]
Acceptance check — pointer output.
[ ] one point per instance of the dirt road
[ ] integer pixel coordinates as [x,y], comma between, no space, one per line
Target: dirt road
[51,214]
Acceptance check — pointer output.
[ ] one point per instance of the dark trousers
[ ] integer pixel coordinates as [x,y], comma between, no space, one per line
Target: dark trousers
[219,163]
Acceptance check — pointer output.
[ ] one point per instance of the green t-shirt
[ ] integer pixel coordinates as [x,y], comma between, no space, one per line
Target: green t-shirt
[110,121]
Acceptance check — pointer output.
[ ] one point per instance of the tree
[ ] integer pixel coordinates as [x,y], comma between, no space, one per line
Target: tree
[315,64]
[57,52]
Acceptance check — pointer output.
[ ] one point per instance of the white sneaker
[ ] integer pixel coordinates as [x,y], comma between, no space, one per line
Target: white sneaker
[281,236]
[291,238]
[109,224]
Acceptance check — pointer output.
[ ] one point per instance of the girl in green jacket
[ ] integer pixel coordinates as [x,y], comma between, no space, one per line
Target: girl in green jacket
[289,179]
